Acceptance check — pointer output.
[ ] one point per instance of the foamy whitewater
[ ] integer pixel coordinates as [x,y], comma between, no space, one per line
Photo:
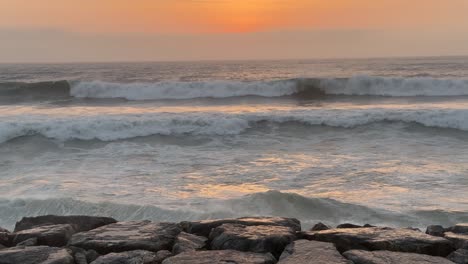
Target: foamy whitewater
[381,141]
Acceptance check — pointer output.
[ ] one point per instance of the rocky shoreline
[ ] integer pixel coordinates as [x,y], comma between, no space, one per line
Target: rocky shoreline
[251,240]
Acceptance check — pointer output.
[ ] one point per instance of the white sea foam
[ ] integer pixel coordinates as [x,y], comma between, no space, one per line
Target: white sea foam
[358,85]
[123,126]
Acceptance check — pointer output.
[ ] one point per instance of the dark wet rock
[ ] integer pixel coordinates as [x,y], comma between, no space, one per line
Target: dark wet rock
[220,257]
[128,257]
[28,242]
[435,230]
[79,222]
[203,228]
[49,235]
[380,238]
[458,240]
[390,257]
[188,242]
[127,236]
[319,227]
[259,239]
[80,258]
[459,228]
[369,225]
[305,251]
[4,237]
[91,255]
[460,256]
[162,255]
[348,225]
[35,255]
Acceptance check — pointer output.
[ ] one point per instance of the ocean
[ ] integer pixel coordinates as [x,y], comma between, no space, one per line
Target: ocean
[378,141]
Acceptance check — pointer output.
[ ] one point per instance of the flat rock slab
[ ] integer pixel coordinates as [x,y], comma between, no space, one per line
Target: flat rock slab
[203,228]
[220,257]
[188,242]
[127,236]
[80,223]
[380,238]
[48,235]
[128,257]
[311,252]
[389,257]
[459,228]
[259,239]
[460,256]
[458,240]
[35,255]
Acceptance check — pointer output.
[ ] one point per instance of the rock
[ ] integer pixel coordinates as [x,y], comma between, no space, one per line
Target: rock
[460,256]
[128,257]
[35,255]
[459,228]
[220,257]
[348,225]
[319,227]
[28,242]
[80,258]
[48,235]
[458,240]
[382,238]
[80,223]
[259,239]
[162,255]
[369,225]
[313,252]
[389,257]
[188,242]
[91,255]
[435,230]
[203,228]
[4,237]
[127,236]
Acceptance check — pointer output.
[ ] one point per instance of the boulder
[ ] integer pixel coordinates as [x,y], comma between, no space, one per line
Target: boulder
[348,225]
[162,255]
[203,228]
[36,255]
[319,227]
[28,242]
[188,242]
[459,228]
[80,223]
[83,256]
[4,237]
[313,252]
[390,257]
[48,235]
[128,257]
[383,238]
[458,240]
[220,257]
[435,230]
[259,239]
[128,236]
[460,256]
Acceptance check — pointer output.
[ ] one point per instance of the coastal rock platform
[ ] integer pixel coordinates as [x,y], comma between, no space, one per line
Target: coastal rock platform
[249,240]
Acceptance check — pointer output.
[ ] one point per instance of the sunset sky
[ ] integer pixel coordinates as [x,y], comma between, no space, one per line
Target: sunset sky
[113,30]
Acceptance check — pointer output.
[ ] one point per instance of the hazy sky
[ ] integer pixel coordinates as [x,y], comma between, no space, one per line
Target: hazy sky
[122,30]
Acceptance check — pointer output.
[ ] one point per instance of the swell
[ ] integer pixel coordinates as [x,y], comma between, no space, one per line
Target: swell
[271,203]
[307,88]
[123,126]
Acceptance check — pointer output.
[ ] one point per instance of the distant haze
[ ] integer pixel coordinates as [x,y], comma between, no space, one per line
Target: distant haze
[125,30]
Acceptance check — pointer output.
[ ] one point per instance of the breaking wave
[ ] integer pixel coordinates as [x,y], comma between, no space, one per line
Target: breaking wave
[123,126]
[272,203]
[302,88]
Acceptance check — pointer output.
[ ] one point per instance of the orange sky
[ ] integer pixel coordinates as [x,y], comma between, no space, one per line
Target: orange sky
[221,16]
[127,30]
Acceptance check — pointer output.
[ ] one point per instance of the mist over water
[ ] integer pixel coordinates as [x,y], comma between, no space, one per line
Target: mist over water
[367,141]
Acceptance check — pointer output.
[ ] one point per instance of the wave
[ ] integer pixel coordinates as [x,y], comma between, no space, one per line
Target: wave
[308,88]
[123,126]
[271,203]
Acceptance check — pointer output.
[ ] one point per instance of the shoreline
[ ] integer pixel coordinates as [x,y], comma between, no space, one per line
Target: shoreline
[97,240]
